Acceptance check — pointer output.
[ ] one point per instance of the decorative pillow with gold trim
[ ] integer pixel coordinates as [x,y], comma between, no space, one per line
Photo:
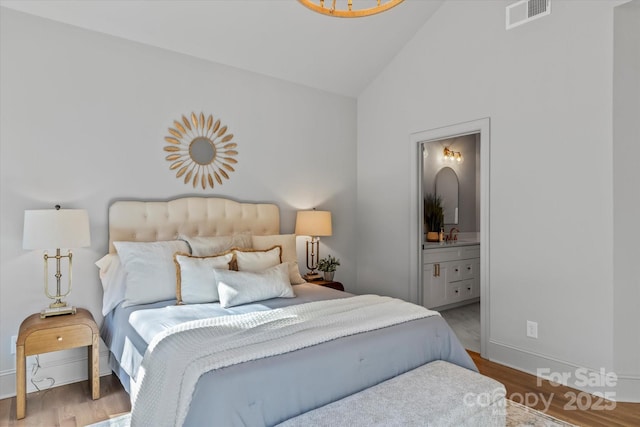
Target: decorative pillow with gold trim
[289,253]
[195,277]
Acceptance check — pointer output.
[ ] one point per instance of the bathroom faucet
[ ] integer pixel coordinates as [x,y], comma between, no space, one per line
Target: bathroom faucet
[452,236]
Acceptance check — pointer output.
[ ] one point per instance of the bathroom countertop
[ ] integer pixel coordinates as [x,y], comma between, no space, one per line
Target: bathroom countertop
[461,242]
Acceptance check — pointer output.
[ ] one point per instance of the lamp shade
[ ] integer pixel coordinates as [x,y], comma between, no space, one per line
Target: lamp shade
[56,228]
[313,223]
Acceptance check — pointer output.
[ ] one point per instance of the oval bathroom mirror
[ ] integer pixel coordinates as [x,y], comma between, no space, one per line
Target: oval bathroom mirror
[447,189]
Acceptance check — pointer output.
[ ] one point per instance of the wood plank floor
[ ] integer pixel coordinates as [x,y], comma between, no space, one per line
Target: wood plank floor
[532,391]
[71,405]
[68,405]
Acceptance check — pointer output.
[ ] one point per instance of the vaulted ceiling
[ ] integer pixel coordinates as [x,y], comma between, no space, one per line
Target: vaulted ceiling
[278,38]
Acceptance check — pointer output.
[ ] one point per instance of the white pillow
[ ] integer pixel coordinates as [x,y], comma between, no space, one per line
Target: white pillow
[196,281]
[254,260]
[213,245]
[113,278]
[241,287]
[151,272]
[289,253]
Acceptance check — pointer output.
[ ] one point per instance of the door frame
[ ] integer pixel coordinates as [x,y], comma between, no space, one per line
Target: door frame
[482,127]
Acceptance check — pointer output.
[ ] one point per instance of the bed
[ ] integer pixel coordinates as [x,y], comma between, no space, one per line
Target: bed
[243,353]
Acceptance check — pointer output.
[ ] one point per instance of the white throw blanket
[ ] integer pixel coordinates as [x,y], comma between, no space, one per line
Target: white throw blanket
[176,358]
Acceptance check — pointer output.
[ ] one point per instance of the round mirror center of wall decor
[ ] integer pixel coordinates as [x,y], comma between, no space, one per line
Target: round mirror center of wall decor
[202,150]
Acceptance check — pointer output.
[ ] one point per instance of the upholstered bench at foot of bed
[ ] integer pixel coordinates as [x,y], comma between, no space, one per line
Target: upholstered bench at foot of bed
[436,394]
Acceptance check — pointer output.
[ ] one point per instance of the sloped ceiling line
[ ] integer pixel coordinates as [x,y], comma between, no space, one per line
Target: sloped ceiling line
[278,38]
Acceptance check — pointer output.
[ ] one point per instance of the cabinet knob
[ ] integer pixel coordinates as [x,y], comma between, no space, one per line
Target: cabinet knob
[59,338]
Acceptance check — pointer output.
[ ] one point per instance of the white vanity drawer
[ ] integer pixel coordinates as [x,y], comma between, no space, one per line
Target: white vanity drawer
[461,270]
[458,291]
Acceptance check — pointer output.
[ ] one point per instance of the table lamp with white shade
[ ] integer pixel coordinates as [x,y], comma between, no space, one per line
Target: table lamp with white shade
[56,228]
[314,224]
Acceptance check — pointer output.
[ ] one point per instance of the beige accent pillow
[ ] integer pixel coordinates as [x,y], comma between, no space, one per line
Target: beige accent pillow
[289,253]
[195,277]
[214,245]
[254,260]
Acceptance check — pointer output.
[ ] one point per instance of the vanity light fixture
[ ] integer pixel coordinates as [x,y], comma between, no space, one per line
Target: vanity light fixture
[345,9]
[450,155]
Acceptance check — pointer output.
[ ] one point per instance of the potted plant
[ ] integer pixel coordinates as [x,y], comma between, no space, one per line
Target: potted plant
[328,266]
[433,217]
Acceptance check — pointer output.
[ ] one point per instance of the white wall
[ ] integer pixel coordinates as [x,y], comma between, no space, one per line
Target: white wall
[83,121]
[547,88]
[626,197]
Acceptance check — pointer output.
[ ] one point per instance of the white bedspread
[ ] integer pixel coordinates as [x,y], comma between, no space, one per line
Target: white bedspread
[176,358]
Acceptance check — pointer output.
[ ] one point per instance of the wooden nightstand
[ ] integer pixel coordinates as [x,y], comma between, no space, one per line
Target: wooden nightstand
[329,284]
[55,333]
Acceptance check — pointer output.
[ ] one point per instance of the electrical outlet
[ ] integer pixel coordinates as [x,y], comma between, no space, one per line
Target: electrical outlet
[13,344]
[532,329]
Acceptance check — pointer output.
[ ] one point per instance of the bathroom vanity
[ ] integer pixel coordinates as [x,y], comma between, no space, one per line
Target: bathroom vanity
[451,274]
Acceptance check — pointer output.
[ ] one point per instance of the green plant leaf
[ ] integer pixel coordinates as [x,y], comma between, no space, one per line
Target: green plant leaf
[433,212]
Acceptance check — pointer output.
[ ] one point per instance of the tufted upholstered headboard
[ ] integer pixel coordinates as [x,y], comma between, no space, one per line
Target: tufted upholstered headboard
[139,221]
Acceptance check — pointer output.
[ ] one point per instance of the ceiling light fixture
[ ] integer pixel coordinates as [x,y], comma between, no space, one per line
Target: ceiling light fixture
[345,9]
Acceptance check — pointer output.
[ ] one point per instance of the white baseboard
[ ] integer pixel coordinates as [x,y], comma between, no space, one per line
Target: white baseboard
[628,389]
[64,371]
[599,382]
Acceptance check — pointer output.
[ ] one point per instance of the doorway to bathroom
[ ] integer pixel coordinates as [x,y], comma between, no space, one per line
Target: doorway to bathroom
[451,267]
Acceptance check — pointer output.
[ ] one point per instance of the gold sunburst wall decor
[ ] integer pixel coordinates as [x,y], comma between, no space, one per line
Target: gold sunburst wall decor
[201,151]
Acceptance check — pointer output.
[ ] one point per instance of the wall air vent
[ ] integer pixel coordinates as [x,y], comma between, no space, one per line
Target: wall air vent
[526,11]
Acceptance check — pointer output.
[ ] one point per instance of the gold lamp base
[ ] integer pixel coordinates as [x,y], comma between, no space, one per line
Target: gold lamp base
[310,277]
[58,303]
[57,311]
